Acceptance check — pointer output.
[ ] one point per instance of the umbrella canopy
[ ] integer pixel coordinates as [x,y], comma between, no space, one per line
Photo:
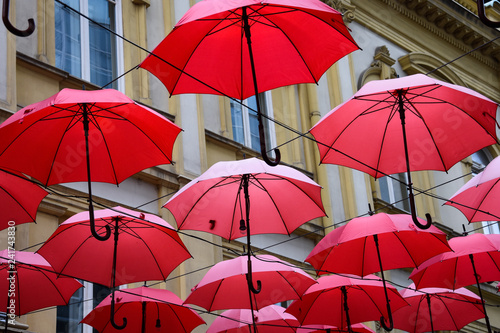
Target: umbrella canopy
[293,41]
[242,48]
[280,200]
[269,319]
[437,309]
[19,199]
[52,140]
[351,248]
[148,310]
[356,328]
[406,124]
[440,120]
[478,198]
[344,300]
[46,140]
[147,248]
[224,286]
[475,259]
[30,283]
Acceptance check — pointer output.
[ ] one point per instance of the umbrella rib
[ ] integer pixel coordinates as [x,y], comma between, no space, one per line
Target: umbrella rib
[448,311]
[288,282]
[19,203]
[53,284]
[272,199]
[391,116]
[477,209]
[176,316]
[198,200]
[396,234]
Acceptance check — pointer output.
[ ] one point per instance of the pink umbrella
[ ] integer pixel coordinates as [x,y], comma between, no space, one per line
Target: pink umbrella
[437,309]
[29,283]
[230,197]
[154,310]
[269,319]
[356,328]
[376,243]
[406,124]
[144,247]
[53,140]
[475,259]
[19,199]
[241,48]
[344,300]
[224,285]
[478,198]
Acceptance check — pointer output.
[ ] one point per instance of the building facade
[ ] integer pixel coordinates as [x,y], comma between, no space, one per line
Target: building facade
[397,38]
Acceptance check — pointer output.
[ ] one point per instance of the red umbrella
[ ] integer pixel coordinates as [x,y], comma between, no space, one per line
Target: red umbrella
[478,198]
[475,259]
[242,48]
[269,319]
[19,199]
[281,199]
[355,328]
[376,243]
[437,309]
[344,300]
[439,124]
[53,140]
[144,247]
[224,285]
[152,310]
[30,283]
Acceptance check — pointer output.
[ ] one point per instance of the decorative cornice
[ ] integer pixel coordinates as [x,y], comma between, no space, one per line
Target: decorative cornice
[446,19]
[343,6]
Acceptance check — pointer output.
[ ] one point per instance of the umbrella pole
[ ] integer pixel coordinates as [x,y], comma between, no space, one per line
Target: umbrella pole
[143,325]
[251,289]
[388,302]
[430,311]
[262,136]
[480,293]
[89,182]
[411,198]
[116,219]
[346,309]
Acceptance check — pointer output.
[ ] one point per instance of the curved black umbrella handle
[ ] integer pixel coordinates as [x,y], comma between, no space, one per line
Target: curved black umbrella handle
[107,234]
[391,323]
[112,319]
[10,27]
[250,281]
[482,15]
[413,210]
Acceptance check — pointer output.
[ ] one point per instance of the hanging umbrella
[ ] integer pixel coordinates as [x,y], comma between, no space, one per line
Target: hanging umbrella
[54,140]
[218,201]
[270,319]
[30,283]
[475,259]
[19,199]
[376,243]
[144,247]
[406,124]
[478,198]
[149,310]
[437,309]
[242,48]
[224,285]
[356,328]
[344,300]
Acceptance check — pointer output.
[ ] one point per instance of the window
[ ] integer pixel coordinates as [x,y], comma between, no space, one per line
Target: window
[80,304]
[83,48]
[246,124]
[480,160]
[393,191]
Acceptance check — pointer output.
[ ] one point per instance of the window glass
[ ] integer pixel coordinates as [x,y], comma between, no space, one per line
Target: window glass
[395,192]
[245,122]
[83,48]
[67,34]
[69,316]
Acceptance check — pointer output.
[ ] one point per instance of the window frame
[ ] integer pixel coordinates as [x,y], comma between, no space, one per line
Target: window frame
[269,128]
[85,43]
